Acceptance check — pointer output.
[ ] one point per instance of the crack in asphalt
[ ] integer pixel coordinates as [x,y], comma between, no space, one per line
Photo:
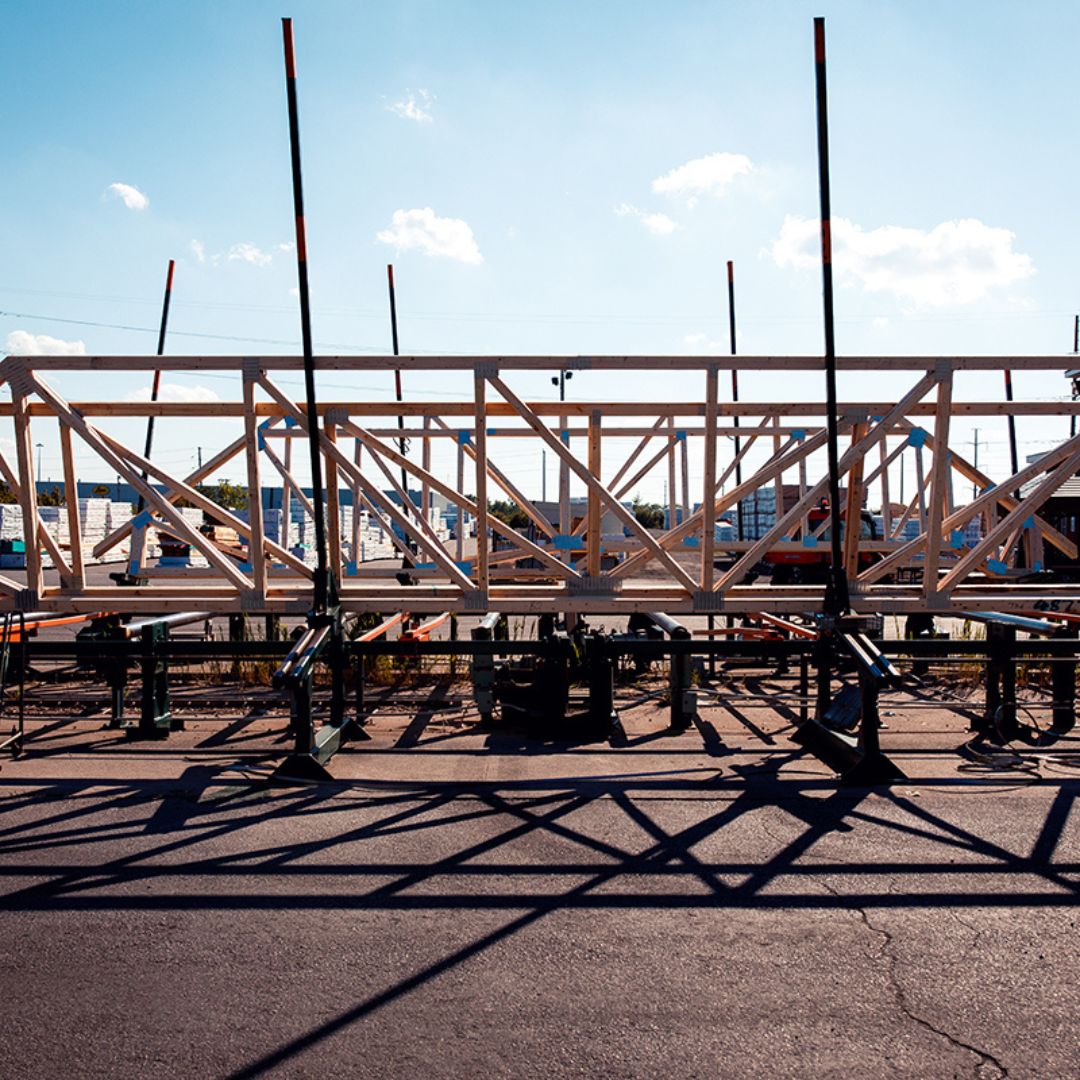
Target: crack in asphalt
[989,1067]
[976,936]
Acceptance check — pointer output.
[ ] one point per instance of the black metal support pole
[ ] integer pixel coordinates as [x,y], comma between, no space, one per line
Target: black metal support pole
[999,723]
[1076,349]
[1063,681]
[836,599]
[403,443]
[323,587]
[804,687]
[734,388]
[601,668]
[1012,425]
[156,385]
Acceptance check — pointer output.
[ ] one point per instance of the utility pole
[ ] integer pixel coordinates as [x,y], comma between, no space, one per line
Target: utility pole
[199,454]
[39,446]
[975,443]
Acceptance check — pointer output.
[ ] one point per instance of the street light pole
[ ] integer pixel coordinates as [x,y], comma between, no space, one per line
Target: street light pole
[560,382]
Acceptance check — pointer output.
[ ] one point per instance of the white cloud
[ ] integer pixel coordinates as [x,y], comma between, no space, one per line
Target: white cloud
[956,262]
[133,198]
[701,344]
[198,249]
[174,392]
[415,107]
[290,246]
[657,224]
[245,252]
[423,231]
[711,175]
[20,343]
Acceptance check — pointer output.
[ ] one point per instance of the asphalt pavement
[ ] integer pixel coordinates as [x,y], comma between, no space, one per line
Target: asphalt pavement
[501,903]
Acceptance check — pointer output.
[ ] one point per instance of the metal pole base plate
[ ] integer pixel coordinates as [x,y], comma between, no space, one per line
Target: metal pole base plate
[842,753]
[872,771]
[302,769]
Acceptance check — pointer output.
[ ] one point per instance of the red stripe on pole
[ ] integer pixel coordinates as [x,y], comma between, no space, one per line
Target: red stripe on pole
[826,241]
[169,276]
[819,41]
[730,271]
[390,273]
[301,240]
[290,58]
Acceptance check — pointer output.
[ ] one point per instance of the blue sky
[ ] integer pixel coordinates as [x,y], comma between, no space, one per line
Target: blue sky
[568,178]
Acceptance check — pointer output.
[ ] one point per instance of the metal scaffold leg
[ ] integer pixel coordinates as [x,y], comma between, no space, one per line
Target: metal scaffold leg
[600,662]
[844,731]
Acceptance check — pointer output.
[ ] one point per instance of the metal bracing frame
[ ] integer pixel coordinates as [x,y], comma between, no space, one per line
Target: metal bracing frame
[672,569]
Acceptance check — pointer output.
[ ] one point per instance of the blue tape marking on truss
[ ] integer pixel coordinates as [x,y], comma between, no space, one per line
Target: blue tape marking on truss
[996,566]
[877,419]
[956,541]
[465,567]
[692,541]
[680,436]
[350,569]
[564,434]
[568,543]
[917,437]
[141,520]
[1029,523]
[989,487]
[809,541]
[245,566]
[1038,565]
[489,431]
[291,421]
[425,566]
[462,437]
[134,568]
[799,434]
[260,439]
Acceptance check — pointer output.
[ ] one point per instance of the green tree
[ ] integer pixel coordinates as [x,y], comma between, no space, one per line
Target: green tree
[651,515]
[50,498]
[508,512]
[228,495]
